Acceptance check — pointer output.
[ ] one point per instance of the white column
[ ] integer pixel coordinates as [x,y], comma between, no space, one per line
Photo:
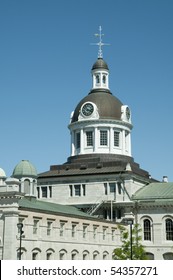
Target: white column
[96,139]
[123,142]
[81,141]
[72,144]
[111,140]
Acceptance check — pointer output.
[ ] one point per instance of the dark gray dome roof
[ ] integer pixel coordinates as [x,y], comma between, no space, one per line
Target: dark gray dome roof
[109,107]
[100,64]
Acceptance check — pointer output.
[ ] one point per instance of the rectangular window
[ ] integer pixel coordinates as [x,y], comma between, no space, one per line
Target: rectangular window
[78,140]
[116,138]
[77,190]
[83,189]
[49,227]
[38,192]
[89,138]
[35,226]
[118,213]
[50,191]
[94,232]
[73,230]
[84,231]
[44,191]
[103,138]
[104,233]
[112,187]
[71,190]
[106,188]
[113,234]
[62,225]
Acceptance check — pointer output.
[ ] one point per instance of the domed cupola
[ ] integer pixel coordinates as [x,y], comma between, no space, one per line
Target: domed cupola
[100,123]
[24,169]
[27,174]
[100,74]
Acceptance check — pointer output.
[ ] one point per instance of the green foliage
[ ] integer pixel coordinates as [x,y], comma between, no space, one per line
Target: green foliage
[138,251]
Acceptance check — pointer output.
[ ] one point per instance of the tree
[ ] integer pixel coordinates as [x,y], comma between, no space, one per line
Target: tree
[124,252]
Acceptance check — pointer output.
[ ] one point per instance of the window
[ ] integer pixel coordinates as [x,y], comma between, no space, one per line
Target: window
[116,138]
[119,187]
[168,256]
[104,233]
[94,232]
[73,230]
[84,231]
[103,138]
[35,226]
[106,188]
[34,256]
[84,189]
[61,232]
[49,227]
[78,140]
[62,255]
[50,191]
[147,229]
[38,192]
[74,255]
[44,191]
[95,255]
[169,229]
[104,79]
[71,190]
[77,190]
[118,213]
[112,187]
[97,79]
[89,138]
[27,186]
[49,256]
[113,234]
[85,255]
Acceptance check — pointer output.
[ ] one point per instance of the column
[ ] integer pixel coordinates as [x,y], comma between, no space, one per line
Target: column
[10,244]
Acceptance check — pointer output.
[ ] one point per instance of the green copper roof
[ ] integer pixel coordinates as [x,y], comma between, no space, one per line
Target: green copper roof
[24,168]
[44,206]
[155,191]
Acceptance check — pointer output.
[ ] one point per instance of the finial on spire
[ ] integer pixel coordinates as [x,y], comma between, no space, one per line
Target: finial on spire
[100,43]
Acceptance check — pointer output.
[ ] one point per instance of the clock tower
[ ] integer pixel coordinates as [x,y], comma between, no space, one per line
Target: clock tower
[100,124]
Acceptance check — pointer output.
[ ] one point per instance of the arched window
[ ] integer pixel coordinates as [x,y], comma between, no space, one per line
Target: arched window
[95,255]
[105,255]
[27,186]
[36,254]
[85,255]
[74,255]
[104,79]
[168,256]
[147,229]
[97,79]
[50,254]
[169,229]
[62,254]
[150,256]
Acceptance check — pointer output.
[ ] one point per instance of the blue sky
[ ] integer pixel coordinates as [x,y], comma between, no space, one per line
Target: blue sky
[45,63]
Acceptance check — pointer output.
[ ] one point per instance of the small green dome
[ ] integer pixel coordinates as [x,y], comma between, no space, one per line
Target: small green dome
[24,169]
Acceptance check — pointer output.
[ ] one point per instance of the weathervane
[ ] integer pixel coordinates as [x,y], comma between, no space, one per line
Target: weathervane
[100,43]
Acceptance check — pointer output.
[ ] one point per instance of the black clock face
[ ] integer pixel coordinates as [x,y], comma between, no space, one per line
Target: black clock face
[128,113]
[87,109]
